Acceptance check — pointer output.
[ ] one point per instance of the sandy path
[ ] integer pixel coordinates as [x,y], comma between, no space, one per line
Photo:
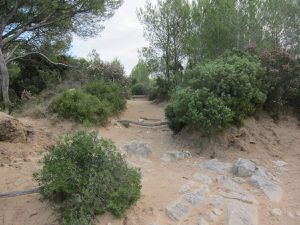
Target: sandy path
[161,180]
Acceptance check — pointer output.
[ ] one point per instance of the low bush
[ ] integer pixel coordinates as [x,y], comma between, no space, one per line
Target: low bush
[108,93]
[80,106]
[139,89]
[236,82]
[199,109]
[87,177]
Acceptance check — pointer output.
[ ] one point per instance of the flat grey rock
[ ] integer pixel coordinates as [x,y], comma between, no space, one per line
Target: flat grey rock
[177,211]
[202,178]
[262,172]
[175,156]
[244,168]
[241,213]
[246,198]
[271,189]
[236,191]
[217,166]
[187,187]
[217,201]
[197,198]
[138,149]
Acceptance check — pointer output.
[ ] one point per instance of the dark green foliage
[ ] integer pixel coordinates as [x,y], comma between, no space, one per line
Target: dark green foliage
[199,109]
[237,78]
[283,73]
[80,106]
[108,93]
[139,89]
[160,89]
[87,177]
[219,93]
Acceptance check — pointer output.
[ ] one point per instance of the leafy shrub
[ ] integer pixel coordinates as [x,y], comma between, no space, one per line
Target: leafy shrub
[108,93]
[161,89]
[233,85]
[79,106]
[199,109]
[283,73]
[237,78]
[87,177]
[139,89]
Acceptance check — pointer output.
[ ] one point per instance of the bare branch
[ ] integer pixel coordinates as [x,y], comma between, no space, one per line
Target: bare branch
[40,54]
[10,54]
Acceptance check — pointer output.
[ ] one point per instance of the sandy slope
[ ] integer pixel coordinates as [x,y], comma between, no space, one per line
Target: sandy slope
[260,140]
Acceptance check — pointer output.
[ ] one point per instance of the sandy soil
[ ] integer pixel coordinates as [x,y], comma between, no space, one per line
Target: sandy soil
[260,140]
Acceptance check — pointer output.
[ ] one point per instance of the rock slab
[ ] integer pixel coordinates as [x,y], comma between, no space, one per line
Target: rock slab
[271,189]
[197,198]
[177,211]
[217,166]
[241,213]
[202,178]
[138,149]
[175,155]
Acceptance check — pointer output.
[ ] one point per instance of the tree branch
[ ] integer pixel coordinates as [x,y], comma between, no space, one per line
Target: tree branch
[40,54]
[10,54]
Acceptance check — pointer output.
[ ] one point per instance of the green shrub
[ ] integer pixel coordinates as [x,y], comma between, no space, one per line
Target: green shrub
[237,78]
[161,89]
[139,89]
[283,73]
[77,105]
[87,177]
[233,85]
[108,93]
[199,109]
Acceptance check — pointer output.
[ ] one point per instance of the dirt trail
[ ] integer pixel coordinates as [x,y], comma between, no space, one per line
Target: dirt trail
[261,141]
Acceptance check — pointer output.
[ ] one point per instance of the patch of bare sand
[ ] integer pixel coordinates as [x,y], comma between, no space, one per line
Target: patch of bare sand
[260,140]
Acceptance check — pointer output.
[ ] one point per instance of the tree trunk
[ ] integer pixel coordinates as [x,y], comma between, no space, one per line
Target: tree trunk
[4,78]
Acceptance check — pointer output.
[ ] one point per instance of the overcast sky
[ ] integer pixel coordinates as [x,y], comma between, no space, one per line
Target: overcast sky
[122,37]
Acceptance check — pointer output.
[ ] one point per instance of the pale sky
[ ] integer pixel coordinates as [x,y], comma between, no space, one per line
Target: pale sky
[122,37]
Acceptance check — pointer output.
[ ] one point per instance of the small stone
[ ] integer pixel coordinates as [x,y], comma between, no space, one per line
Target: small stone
[141,120]
[244,168]
[217,166]
[202,222]
[177,211]
[276,212]
[202,178]
[280,163]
